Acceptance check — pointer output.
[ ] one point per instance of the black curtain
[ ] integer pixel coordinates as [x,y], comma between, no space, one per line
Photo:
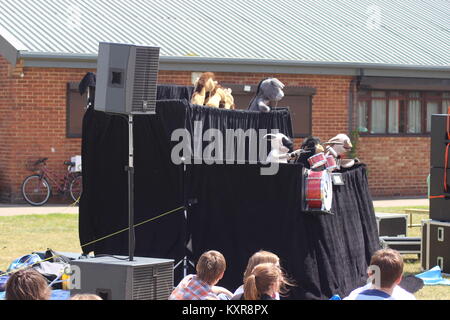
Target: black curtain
[233,208]
[157,186]
[174,92]
[238,212]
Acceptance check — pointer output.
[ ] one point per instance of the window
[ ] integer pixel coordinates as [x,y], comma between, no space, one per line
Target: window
[300,107]
[76,106]
[399,112]
[298,99]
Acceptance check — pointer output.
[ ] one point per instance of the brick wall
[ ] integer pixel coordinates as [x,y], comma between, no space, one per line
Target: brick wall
[36,123]
[398,166]
[5,129]
[33,124]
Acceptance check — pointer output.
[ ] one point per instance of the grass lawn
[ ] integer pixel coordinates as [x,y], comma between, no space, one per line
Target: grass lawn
[22,235]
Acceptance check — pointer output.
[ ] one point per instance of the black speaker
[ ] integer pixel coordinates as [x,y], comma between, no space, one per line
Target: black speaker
[438,140]
[127,78]
[439,199]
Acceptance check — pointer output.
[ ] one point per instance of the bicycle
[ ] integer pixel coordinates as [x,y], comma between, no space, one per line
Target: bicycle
[36,189]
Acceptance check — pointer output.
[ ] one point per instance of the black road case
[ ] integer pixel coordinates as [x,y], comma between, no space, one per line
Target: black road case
[404,245]
[392,224]
[435,249]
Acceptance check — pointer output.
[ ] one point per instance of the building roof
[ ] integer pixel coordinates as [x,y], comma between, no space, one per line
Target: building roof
[383,34]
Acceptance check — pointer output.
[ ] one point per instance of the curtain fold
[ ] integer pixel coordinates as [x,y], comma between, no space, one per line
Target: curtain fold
[414,114]
[378,114]
[394,105]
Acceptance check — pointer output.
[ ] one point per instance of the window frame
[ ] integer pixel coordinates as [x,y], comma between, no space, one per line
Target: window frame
[425,96]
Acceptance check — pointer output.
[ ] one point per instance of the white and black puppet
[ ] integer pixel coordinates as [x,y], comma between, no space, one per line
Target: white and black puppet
[282,148]
[269,91]
[339,146]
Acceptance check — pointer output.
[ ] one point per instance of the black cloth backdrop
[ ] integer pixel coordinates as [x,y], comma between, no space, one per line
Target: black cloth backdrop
[104,202]
[236,210]
[158,182]
[170,92]
[239,212]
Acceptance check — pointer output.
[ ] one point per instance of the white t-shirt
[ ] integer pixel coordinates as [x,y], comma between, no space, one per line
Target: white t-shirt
[240,291]
[373,294]
[397,294]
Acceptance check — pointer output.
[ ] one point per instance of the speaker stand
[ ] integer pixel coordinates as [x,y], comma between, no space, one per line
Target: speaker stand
[130,170]
[185,261]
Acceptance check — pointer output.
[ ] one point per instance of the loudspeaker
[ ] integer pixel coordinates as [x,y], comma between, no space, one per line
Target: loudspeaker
[127,78]
[114,279]
[438,140]
[439,207]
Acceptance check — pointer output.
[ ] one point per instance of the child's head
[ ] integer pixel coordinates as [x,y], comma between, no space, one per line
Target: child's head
[265,278]
[27,284]
[390,264]
[258,258]
[86,297]
[211,266]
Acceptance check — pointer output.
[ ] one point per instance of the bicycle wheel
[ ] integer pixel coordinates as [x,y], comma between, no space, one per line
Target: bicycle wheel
[76,188]
[36,190]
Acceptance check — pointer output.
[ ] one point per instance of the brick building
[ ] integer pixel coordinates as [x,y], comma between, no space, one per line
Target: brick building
[381,70]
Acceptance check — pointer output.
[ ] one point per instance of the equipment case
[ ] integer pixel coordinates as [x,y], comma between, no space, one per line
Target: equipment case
[435,249]
[392,224]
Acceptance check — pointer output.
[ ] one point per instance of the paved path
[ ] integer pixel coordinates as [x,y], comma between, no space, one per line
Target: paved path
[16,210]
[401,202]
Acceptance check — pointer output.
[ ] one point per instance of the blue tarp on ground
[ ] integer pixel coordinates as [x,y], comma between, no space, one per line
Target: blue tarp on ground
[433,277]
[56,295]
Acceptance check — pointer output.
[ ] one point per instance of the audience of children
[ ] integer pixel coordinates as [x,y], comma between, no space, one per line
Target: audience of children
[263,280]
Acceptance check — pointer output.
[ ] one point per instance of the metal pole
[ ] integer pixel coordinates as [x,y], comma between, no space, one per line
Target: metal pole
[131,234]
[185,267]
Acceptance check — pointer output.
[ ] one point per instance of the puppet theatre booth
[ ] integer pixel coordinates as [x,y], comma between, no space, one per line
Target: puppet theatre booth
[231,208]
